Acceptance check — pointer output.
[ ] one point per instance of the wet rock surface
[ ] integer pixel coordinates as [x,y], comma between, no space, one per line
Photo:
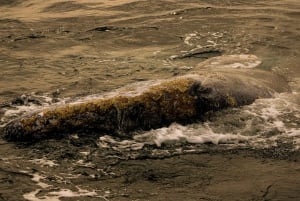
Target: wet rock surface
[184,99]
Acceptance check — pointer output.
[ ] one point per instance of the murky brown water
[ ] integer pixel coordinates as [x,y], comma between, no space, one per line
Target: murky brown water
[60,49]
[49,50]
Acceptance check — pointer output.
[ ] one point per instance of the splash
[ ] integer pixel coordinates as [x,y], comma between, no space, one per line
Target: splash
[266,123]
[196,135]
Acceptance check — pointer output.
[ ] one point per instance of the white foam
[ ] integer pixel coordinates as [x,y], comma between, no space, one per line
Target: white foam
[232,61]
[195,134]
[68,193]
[15,111]
[190,36]
[202,40]
[174,134]
[85,153]
[62,193]
[44,162]
[53,194]
[83,163]
[36,177]
[278,117]
[32,196]
[109,142]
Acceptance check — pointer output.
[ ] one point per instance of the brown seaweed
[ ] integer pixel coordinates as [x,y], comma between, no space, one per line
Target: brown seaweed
[183,99]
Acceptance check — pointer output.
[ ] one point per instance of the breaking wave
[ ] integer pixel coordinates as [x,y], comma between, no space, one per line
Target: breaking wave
[265,123]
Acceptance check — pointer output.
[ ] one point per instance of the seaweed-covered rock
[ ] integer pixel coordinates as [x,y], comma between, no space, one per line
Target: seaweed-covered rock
[183,99]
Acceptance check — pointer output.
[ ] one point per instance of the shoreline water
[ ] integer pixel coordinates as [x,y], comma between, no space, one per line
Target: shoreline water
[211,173]
[53,52]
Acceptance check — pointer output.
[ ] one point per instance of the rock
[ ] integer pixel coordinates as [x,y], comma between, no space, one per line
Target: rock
[149,105]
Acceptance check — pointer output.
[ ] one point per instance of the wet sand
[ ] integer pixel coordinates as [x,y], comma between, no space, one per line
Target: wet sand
[71,49]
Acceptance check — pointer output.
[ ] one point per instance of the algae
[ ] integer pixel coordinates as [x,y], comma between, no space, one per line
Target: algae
[182,99]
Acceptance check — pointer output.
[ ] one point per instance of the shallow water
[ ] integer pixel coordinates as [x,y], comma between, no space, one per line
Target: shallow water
[58,52]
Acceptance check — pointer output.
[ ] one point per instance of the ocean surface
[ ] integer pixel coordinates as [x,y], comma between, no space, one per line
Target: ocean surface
[55,53]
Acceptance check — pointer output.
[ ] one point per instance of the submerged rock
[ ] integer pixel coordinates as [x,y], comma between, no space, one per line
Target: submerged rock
[149,105]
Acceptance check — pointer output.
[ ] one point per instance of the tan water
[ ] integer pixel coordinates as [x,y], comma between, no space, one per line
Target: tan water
[62,50]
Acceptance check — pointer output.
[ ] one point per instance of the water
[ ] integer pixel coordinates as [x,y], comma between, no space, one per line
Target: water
[54,53]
